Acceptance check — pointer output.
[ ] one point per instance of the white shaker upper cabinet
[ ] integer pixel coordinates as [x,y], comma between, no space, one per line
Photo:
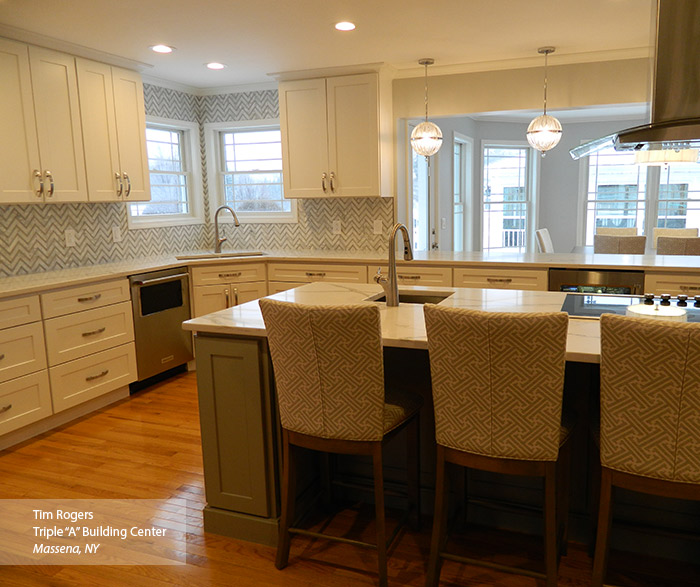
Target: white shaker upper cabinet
[41,152]
[114,131]
[331,137]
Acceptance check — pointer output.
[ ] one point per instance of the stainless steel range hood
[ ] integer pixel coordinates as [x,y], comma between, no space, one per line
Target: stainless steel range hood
[675,103]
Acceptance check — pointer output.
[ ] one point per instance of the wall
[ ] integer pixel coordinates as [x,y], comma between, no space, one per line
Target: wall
[32,236]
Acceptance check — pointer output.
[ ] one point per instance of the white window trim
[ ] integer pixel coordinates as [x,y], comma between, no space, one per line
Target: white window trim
[194,179]
[214,175]
[468,190]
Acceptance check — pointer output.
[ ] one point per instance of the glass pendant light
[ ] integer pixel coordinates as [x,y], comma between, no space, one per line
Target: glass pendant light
[426,138]
[544,132]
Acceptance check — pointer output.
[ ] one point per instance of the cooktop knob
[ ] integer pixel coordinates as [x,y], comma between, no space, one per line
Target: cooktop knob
[697,301]
[682,300]
[649,299]
[665,299]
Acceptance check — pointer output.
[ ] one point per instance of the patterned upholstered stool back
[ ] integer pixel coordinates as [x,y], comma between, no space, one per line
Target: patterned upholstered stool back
[650,397]
[329,370]
[498,381]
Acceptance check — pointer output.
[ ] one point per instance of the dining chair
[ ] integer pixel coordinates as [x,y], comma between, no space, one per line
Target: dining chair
[683,232]
[497,383]
[619,245]
[544,240]
[649,415]
[332,397]
[673,245]
[613,231]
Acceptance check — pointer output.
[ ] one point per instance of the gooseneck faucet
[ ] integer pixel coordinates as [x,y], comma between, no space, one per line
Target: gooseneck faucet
[219,241]
[390,284]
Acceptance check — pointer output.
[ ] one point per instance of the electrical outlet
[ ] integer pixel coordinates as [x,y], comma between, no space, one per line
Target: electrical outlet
[443,223]
[336,227]
[377,227]
[70,237]
[116,234]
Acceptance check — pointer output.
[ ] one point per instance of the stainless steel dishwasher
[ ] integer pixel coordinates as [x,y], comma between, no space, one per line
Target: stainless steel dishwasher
[161,303]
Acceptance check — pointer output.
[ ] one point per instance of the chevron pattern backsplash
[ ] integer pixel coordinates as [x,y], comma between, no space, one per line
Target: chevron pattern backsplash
[32,236]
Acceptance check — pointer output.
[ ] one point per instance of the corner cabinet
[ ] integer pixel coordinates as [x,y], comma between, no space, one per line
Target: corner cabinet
[336,136]
[114,132]
[41,152]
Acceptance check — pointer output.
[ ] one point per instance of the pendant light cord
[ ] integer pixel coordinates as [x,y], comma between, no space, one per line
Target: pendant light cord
[426,92]
[545,81]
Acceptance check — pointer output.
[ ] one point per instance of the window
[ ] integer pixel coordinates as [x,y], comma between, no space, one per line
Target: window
[173,163]
[461,191]
[620,193]
[507,200]
[248,168]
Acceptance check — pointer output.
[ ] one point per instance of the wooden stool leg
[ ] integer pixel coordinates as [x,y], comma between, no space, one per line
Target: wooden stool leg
[600,561]
[550,524]
[413,473]
[379,508]
[439,521]
[288,499]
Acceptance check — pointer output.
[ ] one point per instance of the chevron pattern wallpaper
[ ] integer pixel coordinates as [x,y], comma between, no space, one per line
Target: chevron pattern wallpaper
[32,236]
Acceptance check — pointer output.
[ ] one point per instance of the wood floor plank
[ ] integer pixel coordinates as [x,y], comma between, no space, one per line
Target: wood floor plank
[148,446]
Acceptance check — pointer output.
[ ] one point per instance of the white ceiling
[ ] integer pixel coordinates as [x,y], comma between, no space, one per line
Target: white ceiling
[257,37]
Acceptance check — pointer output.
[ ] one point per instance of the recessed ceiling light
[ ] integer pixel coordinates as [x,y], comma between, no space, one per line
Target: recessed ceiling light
[215,65]
[344,26]
[162,48]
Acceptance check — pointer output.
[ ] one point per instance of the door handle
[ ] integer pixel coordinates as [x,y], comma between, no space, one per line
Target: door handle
[332,181]
[125,175]
[118,177]
[37,175]
[323,182]
[52,187]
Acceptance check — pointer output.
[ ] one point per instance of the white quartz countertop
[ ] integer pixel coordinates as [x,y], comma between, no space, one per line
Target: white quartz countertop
[37,282]
[403,326]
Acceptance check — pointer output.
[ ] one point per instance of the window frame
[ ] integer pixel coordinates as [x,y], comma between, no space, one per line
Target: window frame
[192,164]
[215,171]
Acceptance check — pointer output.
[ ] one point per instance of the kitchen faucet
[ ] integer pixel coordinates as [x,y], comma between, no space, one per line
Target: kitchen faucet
[390,284]
[218,241]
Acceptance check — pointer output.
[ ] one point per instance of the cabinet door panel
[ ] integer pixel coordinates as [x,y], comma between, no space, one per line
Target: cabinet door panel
[209,298]
[304,137]
[131,133]
[99,130]
[19,149]
[353,134]
[58,124]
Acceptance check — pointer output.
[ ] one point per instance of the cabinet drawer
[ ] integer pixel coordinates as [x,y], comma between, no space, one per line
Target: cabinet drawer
[24,400]
[84,297]
[534,279]
[16,311]
[223,274]
[417,275]
[21,350]
[83,379]
[77,335]
[673,284]
[305,273]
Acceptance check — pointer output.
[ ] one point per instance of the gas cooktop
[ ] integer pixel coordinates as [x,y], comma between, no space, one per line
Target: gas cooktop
[592,306]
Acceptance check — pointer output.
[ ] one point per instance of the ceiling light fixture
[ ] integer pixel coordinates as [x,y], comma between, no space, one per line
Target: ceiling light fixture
[162,48]
[216,65]
[345,26]
[544,132]
[426,138]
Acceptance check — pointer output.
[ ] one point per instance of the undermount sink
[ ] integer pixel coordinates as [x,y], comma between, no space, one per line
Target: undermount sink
[227,255]
[406,297]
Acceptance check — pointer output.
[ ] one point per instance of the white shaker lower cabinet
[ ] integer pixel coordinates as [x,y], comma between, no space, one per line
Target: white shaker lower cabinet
[410,274]
[24,400]
[217,287]
[529,279]
[300,273]
[21,350]
[672,283]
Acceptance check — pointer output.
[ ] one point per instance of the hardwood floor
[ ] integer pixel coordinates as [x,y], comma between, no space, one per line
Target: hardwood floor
[148,447]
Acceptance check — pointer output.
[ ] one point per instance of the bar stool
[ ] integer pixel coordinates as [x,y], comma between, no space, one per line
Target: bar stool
[498,383]
[649,415]
[329,378]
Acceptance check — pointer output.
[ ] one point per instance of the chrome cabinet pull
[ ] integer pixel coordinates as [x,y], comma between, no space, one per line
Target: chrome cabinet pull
[689,287]
[90,298]
[6,408]
[323,181]
[235,296]
[318,274]
[227,297]
[499,280]
[93,377]
[93,332]
[37,175]
[125,175]
[120,190]
[236,274]
[52,187]
[332,181]
[408,276]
